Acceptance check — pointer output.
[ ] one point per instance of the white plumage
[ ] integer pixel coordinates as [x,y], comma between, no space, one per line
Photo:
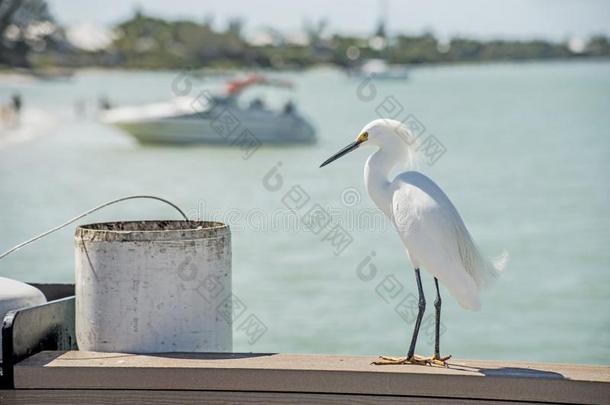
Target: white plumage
[431,229]
[429,225]
[437,239]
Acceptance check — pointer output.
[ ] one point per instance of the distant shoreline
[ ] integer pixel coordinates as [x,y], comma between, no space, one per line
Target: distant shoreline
[21,75]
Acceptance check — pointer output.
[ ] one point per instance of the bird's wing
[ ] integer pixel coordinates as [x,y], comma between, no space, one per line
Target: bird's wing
[431,228]
[424,216]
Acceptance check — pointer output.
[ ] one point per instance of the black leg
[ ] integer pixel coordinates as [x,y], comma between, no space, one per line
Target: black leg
[420,315]
[437,331]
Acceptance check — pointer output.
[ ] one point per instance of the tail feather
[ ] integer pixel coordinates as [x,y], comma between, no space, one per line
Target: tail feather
[483,271]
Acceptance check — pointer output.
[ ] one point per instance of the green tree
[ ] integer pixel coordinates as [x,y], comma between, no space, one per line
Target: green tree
[25,25]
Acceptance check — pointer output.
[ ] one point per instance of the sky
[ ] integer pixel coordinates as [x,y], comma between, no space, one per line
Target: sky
[485,19]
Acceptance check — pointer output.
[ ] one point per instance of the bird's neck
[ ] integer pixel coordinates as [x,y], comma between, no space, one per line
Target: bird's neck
[377,172]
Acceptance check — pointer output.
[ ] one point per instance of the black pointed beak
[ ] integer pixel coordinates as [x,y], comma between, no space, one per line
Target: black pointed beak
[351,147]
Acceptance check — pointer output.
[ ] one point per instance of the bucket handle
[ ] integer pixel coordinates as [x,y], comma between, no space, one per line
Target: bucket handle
[84,214]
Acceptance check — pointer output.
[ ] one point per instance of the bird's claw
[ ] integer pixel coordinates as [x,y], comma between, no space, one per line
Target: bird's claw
[439,361]
[387,360]
[417,360]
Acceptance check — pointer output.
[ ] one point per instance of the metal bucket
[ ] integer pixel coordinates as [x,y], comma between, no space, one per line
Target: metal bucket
[153,286]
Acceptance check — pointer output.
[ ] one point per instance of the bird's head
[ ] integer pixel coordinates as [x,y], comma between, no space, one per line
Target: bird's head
[382,133]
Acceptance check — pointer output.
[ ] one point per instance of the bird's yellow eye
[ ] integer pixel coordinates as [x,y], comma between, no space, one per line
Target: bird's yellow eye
[363,137]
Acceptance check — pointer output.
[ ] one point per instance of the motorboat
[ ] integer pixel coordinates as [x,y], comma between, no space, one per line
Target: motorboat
[218,118]
[380,69]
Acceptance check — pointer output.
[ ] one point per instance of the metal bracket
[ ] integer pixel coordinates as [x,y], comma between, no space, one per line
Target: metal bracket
[28,331]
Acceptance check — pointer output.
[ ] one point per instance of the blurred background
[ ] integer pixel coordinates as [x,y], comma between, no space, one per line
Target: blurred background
[206,104]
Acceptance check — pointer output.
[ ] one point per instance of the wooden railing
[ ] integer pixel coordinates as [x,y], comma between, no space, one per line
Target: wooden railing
[88,377]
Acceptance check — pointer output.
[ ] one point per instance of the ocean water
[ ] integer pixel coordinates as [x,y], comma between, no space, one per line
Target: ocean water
[522,149]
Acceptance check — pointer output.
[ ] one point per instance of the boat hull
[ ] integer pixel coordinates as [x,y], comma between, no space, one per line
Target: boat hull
[193,130]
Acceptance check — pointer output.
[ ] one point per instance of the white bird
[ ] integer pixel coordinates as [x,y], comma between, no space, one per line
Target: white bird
[429,225]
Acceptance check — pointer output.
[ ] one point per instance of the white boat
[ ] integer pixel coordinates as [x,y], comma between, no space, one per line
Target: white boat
[218,120]
[380,69]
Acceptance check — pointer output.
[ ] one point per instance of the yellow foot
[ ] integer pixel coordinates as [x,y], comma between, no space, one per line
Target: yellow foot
[439,361]
[387,360]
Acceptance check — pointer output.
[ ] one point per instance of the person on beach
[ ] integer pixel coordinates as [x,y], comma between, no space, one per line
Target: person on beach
[10,112]
[16,101]
[104,103]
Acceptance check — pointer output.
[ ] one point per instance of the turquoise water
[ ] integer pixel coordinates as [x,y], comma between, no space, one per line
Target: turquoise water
[526,162]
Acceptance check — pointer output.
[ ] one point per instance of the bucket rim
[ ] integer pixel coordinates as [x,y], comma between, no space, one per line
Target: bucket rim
[149,230]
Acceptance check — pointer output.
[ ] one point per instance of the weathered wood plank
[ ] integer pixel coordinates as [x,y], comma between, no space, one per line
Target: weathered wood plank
[349,375]
[129,397]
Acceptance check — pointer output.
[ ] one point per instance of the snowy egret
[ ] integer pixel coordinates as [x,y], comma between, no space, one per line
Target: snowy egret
[430,227]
